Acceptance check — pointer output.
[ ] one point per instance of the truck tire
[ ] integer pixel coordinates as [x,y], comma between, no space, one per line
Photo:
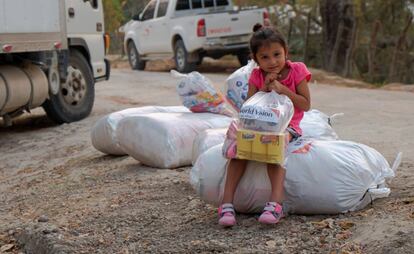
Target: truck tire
[75,98]
[243,58]
[134,59]
[180,57]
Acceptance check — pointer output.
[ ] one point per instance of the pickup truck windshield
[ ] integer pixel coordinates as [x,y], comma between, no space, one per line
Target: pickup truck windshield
[208,3]
[149,11]
[182,5]
[197,4]
[222,2]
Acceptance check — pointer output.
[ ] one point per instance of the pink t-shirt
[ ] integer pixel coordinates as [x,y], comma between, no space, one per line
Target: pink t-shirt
[297,73]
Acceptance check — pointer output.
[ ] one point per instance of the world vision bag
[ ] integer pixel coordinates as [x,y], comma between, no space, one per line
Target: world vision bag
[263,121]
[267,112]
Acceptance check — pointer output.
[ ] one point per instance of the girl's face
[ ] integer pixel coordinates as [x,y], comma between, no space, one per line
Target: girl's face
[271,57]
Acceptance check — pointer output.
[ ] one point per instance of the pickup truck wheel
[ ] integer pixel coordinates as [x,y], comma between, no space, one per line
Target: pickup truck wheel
[243,58]
[75,98]
[180,57]
[200,61]
[134,59]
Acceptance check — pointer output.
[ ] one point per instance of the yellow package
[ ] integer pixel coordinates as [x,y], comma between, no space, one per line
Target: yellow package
[260,146]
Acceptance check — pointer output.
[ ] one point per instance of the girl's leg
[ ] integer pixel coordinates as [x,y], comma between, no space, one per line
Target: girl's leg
[277,178]
[235,171]
[276,175]
[273,211]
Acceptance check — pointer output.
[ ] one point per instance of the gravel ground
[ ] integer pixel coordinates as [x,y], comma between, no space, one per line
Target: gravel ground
[59,195]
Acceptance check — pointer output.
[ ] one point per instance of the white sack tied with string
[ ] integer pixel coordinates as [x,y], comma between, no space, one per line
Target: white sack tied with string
[165,140]
[207,139]
[322,177]
[103,134]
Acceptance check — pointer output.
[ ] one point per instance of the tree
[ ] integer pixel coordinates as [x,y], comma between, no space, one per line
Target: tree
[338,20]
[113,15]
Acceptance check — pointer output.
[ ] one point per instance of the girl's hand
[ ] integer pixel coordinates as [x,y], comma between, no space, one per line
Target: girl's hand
[270,77]
[276,86]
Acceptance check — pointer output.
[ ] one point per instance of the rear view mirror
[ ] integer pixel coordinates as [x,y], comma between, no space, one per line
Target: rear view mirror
[137,17]
[94,3]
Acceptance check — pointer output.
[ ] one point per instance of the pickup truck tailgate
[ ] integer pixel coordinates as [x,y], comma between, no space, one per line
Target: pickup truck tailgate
[232,23]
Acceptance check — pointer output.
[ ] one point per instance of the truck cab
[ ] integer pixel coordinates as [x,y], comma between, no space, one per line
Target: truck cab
[51,55]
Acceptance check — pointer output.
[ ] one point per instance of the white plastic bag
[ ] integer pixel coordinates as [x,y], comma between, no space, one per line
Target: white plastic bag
[237,85]
[199,95]
[328,177]
[165,140]
[318,125]
[208,177]
[266,111]
[323,177]
[103,133]
[207,139]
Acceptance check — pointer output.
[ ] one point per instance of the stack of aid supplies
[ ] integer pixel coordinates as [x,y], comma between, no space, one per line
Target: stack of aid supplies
[259,133]
[324,175]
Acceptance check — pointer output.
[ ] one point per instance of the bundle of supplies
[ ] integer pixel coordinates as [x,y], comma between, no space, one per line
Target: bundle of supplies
[237,85]
[266,111]
[314,124]
[165,140]
[322,177]
[259,133]
[103,134]
[199,95]
[207,139]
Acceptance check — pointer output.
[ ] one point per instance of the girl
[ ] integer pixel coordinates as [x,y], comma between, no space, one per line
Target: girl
[275,72]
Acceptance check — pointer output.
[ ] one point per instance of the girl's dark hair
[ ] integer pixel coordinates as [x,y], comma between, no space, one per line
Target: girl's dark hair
[263,35]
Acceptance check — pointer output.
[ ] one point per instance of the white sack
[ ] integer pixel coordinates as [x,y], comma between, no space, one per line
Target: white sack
[165,140]
[333,176]
[317,125]
[208,178]
[323,177]
[103,134]
[238,85]
[207,139]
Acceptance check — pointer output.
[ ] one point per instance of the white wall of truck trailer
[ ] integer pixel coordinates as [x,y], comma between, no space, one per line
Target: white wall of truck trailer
[51,54]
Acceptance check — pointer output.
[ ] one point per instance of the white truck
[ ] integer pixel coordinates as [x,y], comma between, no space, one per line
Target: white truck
[189,30]
[51,54]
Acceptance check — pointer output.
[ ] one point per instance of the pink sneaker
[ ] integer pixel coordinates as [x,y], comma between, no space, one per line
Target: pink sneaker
[272,213]
[226,215]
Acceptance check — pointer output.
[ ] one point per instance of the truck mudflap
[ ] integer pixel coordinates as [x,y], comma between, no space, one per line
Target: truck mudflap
[108,69]
[107,72]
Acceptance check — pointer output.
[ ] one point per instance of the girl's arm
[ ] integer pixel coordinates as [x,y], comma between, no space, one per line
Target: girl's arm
[252,90]
[301,99]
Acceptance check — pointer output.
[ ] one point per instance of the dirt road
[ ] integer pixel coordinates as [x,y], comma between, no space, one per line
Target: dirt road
[57,193]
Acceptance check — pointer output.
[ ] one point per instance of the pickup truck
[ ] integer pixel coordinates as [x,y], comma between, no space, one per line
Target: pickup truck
[51,54]
[189,30]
